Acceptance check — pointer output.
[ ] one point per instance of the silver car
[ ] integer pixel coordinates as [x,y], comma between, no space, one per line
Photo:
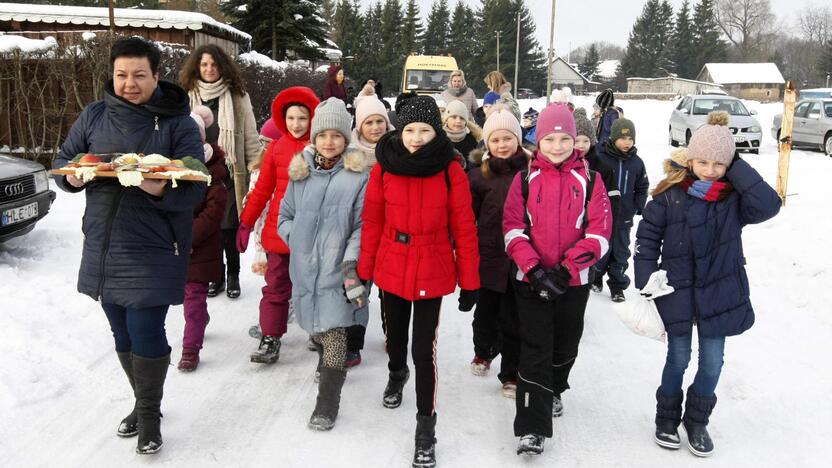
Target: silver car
[812,124]
[25,197]
[692,112]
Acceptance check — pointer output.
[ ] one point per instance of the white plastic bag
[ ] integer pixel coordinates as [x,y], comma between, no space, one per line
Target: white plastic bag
[643,317]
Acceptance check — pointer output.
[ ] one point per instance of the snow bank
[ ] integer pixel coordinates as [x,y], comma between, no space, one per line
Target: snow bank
[257,58]
[11,43]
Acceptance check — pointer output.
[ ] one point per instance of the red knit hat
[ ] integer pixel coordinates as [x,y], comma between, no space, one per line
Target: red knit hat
[556,117]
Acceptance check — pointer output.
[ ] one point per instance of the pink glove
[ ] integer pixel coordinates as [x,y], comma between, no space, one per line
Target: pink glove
[243,235]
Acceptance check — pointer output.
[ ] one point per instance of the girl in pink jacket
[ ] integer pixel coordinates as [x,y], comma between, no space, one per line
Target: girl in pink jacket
[556,225]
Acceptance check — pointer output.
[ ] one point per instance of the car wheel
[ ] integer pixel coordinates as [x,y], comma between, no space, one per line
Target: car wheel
[687,138]
[827,144]
[670,139]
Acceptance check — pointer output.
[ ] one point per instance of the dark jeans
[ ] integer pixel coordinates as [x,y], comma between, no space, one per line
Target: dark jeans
[550,333]
[496,330]
[711,351]
[140,331]
[425,322]
[614,263]
[232,257]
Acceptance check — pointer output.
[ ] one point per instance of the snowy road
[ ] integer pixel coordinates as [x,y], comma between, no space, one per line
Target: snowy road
[62,392]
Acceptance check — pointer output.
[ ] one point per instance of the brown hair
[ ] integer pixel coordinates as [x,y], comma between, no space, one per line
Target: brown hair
[676,169]
[494,80]
[227,67]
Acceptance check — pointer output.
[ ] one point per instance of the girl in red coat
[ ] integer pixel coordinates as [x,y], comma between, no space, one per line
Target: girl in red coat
[417,199]
[206,252]
[555,228]
[292,112]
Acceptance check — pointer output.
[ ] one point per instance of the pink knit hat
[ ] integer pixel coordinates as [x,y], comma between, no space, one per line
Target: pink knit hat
[270,131]
[713,141]
[503,119]
[367,106]
[204,118]
[556,117]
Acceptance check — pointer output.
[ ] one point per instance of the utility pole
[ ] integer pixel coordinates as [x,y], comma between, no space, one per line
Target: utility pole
[498,49]
[517,56]
[551,53]
[827,79]
[112,16]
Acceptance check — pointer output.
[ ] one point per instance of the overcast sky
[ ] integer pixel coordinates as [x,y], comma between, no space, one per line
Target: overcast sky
[583,21]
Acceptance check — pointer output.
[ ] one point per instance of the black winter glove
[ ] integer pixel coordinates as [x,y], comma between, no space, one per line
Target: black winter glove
[543,283]
[560,276]
[468,299]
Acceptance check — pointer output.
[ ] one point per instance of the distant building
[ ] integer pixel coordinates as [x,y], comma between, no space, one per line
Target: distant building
[564,74]
[670,85]
[176,27]
[754,81]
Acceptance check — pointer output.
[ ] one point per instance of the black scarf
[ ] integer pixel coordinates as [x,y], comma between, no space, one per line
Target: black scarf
[429,160]
[610,149]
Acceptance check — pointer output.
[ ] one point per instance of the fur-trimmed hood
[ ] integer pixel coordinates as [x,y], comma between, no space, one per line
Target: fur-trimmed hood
[302,163]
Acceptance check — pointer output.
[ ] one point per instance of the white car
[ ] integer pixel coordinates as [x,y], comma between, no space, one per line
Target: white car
[692,112]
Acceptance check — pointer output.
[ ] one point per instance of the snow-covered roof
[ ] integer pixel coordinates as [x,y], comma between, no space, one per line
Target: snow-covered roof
[11,43]
[162,19]
[675,78]
[574,69]
[332,54]
[260,59]
[735,73]
[608,68]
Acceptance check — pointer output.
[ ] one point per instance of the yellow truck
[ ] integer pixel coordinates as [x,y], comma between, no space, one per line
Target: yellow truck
[427,74]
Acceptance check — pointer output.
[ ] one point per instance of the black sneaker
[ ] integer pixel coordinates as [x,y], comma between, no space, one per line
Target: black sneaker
[699,441]
[395,385]
[617,295]
[232,290]
[530,444]
[667,436]
[268,352]
[214,289]
[557,406]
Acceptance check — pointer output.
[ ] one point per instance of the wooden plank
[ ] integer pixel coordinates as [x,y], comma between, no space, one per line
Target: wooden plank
[786,128]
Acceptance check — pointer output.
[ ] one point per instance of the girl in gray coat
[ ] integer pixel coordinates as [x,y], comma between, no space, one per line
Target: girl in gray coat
[320,221]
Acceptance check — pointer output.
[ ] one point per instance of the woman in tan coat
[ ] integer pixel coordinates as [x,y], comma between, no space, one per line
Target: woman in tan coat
[212,79]
[458,90]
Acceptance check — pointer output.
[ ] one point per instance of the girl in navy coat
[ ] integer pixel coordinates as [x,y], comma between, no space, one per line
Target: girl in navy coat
[691,229]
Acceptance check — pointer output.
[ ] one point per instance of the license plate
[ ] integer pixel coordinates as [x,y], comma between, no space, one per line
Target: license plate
[21,213]
[738,139]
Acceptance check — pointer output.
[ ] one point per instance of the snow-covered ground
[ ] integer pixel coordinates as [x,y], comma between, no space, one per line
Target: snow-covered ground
[62,392]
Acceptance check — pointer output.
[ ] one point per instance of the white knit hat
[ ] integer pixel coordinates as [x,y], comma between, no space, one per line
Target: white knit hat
[456,107]
[503,119]
[367,106]
[331,115]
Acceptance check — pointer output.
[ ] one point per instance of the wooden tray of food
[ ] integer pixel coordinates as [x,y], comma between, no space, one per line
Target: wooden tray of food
[146,175]
[131,169]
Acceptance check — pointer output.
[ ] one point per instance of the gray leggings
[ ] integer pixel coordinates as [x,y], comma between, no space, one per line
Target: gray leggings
[334,344]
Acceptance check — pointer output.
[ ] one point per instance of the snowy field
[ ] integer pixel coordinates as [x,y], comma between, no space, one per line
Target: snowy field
[62,392]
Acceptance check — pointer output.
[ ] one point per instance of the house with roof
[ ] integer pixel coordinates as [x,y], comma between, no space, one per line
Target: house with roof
[671,85]
[755,81]
[67,23]
[564,74]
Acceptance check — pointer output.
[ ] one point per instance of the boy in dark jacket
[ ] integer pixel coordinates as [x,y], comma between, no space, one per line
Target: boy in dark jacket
[609,113]
[631,180]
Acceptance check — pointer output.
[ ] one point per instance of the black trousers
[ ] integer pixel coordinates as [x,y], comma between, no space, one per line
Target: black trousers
[356,333]
[550,333]
[397,313]
[615,262]
[496,330]
[229,246]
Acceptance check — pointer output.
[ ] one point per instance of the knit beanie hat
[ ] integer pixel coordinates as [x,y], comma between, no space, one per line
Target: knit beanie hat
[367,106]
[713,141]
[419,109]
[204,118]
[605,99]
[583,126]
[490,98]
[623,128]
[331,115]
[555,117]
[532,115]
[456,107]
[269,130]
[502,120]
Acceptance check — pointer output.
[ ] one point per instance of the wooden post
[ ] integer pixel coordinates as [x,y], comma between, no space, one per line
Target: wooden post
[110,6]
[785,141]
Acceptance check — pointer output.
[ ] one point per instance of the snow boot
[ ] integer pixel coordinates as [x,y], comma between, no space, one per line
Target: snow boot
[617,295]
[697,411]
[352,359]
[424,455]
[129,426]
[480,366]
[268,352]
[531,444]
[329,399]
[668,418]
[557,406]
[232,289]
[214,289]
[189,360]
[598,283]
[395,385]
[149,374]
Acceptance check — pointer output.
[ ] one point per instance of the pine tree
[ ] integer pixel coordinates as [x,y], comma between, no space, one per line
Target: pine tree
[346,27]
[437,34]
[684,48]
[649,49]
[532,72]
[366,62]
[390,48]
[707,36]
[589,66]
[663,40]
[328,11]
[412,29]
[462,44]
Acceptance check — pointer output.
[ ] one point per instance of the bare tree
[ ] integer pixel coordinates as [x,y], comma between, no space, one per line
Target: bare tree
[815,24]
[748,24]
